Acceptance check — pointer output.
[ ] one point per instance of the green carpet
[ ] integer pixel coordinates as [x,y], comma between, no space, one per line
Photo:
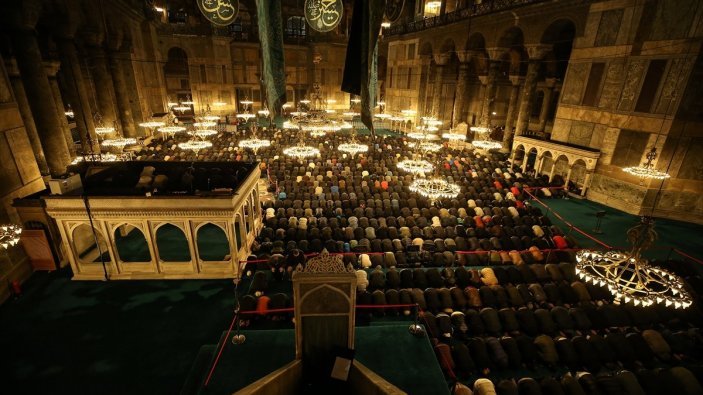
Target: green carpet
[84,337]
[390,351]
[581,213]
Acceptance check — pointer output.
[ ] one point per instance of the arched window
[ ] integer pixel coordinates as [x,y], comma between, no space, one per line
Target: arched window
[89,245]
[212,243]
[238,231]
[131,244]
[172,244]
[295,27]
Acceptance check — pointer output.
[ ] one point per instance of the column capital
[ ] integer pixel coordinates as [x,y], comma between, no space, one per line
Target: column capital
[537,51]
[496,53]
[52,67]
[516,80]
[483,79]
[11,66]
[442,59]
[464,56]
[21,15]
[93,37]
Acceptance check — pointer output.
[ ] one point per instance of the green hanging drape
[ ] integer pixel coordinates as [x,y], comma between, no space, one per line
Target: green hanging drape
[270,21]
[360,71]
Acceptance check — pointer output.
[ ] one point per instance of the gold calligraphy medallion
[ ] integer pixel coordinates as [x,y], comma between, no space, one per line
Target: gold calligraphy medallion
[323,15]
[393,9]
[219,12]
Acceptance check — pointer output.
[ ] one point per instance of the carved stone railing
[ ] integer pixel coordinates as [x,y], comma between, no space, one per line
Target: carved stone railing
[484,8]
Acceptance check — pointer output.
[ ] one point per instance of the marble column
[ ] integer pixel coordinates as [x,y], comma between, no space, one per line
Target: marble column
[516,81]
[104,86]
[587,182]
[546,102]
[535,53]
[437,90]
[78,95]
[124,107]
[461,88]
[489,93]
[133,92]
[568,177]
[52,69]
[26,114]
[37,88]
[551,172]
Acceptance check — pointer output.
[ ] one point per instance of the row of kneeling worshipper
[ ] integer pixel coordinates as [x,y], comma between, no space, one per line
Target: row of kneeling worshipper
[485,355]
[661,381]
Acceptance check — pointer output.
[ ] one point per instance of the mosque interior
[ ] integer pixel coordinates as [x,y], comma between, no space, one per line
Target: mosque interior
[449,196]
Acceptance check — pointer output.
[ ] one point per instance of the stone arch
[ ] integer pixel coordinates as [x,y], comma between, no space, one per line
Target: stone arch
[89,244]
[212,242]
[518,153]
[578,172]
[532,154]
[425,49]
[476,42]
[447,46]
[335,300]
[511,37]
[130,243]
[239,235]
[560,33]
[172,243]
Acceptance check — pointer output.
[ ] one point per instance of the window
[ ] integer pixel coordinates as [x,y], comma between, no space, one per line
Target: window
[590,96]
[629,148]
[411,51]
[295,27]
[213,244]
[650,86]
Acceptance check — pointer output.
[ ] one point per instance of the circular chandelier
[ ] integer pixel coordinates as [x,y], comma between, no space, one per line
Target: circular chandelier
[181,108]
[304,101]
[210,118]
[486,144]
[629,276]
[647,169]
[426,146]
[152,124]
[120,142]
[415,166]
[102,157]
[254,144]
[195,145]
[353,148]
[203,133]
[454,136]
[246,102]
[219,104]
[434,188]
[301,151]
[188,102]
[422,136]
[10,235]
[246,116]
[480,129]
[264,113]
[206,124]
[382,116]
[350,114]
[103,130]
[171,130]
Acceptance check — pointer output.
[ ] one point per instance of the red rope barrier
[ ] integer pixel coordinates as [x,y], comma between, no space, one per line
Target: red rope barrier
[219,353]
[683,254]
[359,306]
[567,222]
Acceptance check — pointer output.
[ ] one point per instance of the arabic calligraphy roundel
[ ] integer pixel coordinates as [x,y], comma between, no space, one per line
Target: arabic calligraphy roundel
[219,12]
[393,9]
[323,15]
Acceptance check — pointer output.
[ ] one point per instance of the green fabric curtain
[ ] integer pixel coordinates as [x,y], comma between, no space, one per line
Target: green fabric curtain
[360,71]
[268,13]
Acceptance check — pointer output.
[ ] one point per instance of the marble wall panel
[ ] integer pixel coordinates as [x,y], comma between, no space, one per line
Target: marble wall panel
[576,78]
